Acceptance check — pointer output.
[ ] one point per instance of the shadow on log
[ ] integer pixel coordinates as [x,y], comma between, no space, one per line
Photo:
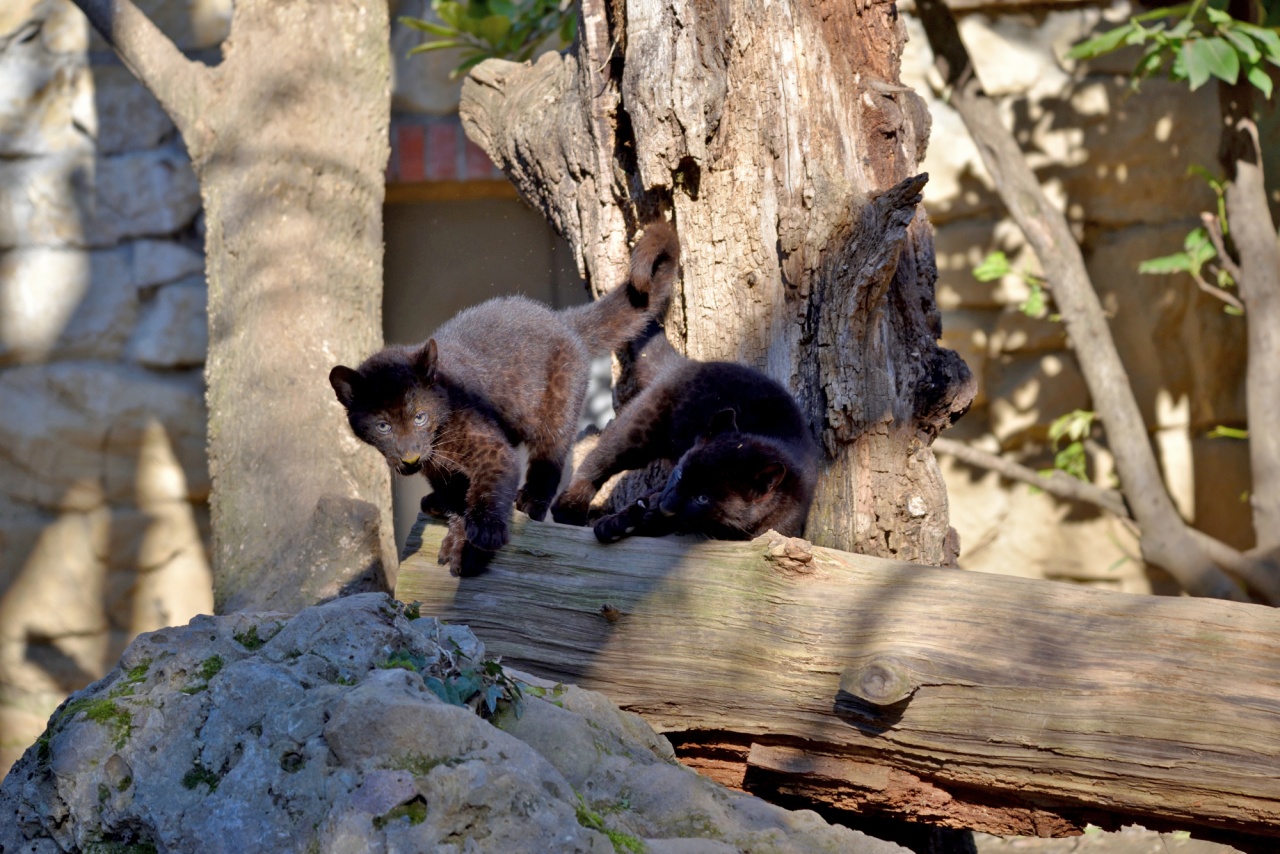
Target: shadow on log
[883,688]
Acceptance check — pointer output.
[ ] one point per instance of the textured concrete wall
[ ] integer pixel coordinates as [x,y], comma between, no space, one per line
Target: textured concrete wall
[103,480]
[1116,162]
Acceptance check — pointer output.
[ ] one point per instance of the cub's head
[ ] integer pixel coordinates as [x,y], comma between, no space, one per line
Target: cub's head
[726,483]
[395,403]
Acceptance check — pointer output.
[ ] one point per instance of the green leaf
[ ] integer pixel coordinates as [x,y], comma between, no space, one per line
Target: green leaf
[440,45]
[1218,16]
[1098,45]
[1166,265]
[450,12]
[1033,305]
[994,266]
[1268,37]
[1259,77]
[494,28]
[1243,44]
[1223,60]
[1150,63]
[1221,432]
[428,27]
[503,7]
[1075,425]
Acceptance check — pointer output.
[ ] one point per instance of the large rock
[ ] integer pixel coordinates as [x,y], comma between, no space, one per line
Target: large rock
[327,737]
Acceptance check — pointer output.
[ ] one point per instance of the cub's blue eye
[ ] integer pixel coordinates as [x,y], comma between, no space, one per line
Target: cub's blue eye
[702,499]
[420,419]
[382,427]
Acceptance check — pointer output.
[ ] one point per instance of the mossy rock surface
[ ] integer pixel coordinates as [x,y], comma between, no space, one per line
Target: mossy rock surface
[349,728]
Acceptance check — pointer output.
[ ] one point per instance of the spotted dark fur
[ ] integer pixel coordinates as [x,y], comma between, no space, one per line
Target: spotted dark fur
[505,372]
[745,460]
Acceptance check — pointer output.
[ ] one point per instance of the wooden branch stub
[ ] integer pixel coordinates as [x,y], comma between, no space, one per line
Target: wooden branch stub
[882,681]
[788,554]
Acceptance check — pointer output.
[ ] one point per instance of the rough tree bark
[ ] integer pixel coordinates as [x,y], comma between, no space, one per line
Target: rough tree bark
[784,147]
[1166,540]
[288,136]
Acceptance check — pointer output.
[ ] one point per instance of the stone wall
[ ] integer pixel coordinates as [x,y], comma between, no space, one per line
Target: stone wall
[103,479]
[1117,162]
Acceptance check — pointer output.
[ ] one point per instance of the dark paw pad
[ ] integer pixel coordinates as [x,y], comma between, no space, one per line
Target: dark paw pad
[569,513]
[471,561]
[488,533]
[434,505]
[535,508]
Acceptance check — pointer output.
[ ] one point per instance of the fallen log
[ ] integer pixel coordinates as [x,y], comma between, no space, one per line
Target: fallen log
[960,699]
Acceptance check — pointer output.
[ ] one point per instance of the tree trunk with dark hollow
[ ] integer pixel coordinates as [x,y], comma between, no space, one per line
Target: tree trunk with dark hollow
[879,687]
[778,138]
[288,135]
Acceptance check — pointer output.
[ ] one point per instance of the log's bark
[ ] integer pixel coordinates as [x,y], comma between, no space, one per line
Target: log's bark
[779,139]
[961,699]
[1166,540]
[288,136]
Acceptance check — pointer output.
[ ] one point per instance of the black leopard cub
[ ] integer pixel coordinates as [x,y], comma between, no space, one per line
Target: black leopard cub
[502,373]
[744,459]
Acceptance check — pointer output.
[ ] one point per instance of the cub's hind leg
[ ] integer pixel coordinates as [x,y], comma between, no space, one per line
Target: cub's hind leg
[550,444]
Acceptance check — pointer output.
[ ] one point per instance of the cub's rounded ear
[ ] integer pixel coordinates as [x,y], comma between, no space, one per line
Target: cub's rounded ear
[344,381]
[768,478]
[724,421]
[424,361]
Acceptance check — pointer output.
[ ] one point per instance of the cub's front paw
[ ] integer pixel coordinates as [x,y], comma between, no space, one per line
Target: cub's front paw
[434,505]
[487,531]
[471,561]
[451,546]
[624,523]
[534,506]
[571,508]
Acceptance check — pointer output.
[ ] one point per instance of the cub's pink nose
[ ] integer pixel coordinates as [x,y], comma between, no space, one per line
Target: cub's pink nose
[410,460]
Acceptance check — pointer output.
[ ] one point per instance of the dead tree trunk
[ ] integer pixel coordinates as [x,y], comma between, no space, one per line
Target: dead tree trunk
[288,136]
[779,138]
[959,699]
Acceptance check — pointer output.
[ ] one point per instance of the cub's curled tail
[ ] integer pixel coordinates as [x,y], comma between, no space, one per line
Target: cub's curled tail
[623,313]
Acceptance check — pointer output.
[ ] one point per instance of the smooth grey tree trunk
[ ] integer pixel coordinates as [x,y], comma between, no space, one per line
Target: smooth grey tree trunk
[288,136]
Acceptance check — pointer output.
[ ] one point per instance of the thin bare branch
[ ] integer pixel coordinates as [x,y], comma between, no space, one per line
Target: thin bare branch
[1217,292]
[1165,538]
[1056,483]
[1261,574]
[177,82]
[1214,229]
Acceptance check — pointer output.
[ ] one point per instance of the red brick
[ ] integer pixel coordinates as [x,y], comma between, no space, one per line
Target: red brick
[442,152]
[410,150]
[479,166]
